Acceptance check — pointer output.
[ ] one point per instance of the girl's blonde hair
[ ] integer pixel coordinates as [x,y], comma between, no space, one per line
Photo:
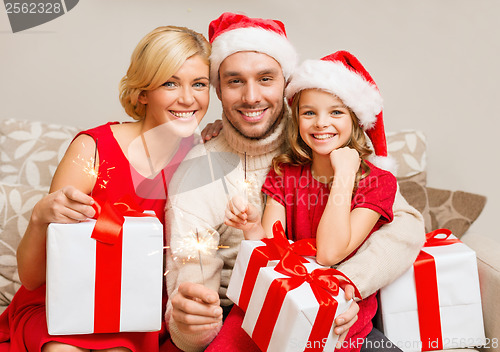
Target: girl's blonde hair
[299,153]
[157,57]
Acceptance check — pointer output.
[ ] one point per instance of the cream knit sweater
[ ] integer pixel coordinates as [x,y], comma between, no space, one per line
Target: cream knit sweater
[198,194]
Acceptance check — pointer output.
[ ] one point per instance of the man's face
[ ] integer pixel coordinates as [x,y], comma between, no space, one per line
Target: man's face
[251,91]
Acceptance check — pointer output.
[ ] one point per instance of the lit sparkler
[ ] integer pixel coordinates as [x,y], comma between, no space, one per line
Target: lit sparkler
[194,245]
[199,256]
[92,169]
[249,183]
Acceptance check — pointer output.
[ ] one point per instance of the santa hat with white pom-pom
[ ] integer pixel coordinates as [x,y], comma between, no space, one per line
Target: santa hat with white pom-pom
[342,74]
[232,33]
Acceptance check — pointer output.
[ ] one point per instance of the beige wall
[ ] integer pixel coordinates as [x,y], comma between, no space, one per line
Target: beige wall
[436,63]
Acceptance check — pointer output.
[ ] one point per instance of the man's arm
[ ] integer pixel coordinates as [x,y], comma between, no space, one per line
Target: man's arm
[388,252]
[193,313]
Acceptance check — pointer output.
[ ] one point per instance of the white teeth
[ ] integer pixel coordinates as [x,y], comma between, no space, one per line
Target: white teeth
[253,114]
[182,115]
[323,136]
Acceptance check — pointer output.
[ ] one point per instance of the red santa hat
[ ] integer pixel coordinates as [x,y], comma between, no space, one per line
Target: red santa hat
[342,74]
[232,32]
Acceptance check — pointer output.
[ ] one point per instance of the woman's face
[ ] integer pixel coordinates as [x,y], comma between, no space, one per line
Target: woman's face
[182,101]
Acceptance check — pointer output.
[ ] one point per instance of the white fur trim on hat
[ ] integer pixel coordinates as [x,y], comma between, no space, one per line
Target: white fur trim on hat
[252,39]
[386,163]
[359,95]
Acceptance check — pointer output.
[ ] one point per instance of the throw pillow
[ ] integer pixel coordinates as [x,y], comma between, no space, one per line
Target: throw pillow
[31,150]
[408,148]
[16,204]
[454,210]
[413,189]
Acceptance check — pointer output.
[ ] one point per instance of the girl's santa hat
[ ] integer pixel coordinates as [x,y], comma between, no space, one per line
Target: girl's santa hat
[342,74]
[231,33]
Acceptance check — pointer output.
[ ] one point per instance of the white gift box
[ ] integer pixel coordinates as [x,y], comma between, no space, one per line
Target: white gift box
[71,272]
[244,263]
[296,317]
[240,269]
[459,298]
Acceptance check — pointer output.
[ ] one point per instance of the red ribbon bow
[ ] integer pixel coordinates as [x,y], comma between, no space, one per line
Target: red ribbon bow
[274,249]
[431,239]
[324,282]
[427,291]
[108,233]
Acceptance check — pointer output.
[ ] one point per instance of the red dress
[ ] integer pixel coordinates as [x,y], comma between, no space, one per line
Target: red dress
[305,199]
[24,323]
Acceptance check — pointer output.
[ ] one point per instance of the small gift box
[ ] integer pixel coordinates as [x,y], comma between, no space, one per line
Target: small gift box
[254,255]
[293,306]
[111,282]
[436,304]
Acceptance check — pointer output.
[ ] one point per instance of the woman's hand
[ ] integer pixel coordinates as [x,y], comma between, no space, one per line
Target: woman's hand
[211,130]
[67,205]
[345,160]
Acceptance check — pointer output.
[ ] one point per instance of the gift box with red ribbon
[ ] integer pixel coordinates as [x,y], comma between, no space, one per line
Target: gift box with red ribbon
[293,306]
[105,275]
[254,255]
[436,304]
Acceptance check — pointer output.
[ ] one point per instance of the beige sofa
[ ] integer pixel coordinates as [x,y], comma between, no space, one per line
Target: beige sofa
[31,150]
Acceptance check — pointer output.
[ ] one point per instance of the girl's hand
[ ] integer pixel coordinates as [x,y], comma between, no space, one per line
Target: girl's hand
[345,160]
[211,130]
[241,215]
[67,205]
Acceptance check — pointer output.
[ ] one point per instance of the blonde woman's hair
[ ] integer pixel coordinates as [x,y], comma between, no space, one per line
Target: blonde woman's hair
[157,57]
[299,153]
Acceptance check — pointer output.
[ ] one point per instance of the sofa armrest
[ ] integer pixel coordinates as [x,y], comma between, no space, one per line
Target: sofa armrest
[488,261]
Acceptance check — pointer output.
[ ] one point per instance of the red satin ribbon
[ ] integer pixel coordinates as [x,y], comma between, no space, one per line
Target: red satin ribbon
[324,283]
[108,233]
[274,249]
[427,292]
[433,241]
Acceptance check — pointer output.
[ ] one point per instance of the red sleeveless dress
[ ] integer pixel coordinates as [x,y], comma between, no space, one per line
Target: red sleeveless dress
[24,323]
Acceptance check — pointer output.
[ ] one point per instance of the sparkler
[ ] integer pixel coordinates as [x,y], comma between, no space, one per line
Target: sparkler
[94,174]
[92,169]
[199,256]
[249,183]
[246,184]
[194,245]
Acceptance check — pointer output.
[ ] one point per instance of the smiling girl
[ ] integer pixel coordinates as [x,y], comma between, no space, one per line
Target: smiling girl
[166,90]
[324,187]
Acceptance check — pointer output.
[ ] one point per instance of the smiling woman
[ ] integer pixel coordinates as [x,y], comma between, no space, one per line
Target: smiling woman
[166,91]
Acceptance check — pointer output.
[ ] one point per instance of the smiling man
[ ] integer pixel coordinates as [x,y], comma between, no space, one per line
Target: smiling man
[251,62]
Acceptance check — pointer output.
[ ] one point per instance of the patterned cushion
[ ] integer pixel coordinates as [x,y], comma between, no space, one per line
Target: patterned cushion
[454,210]
[408,148]
[31,150]
[16,204]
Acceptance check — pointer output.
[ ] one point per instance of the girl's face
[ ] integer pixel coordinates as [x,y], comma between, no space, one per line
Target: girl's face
[325,123]
[181,101]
